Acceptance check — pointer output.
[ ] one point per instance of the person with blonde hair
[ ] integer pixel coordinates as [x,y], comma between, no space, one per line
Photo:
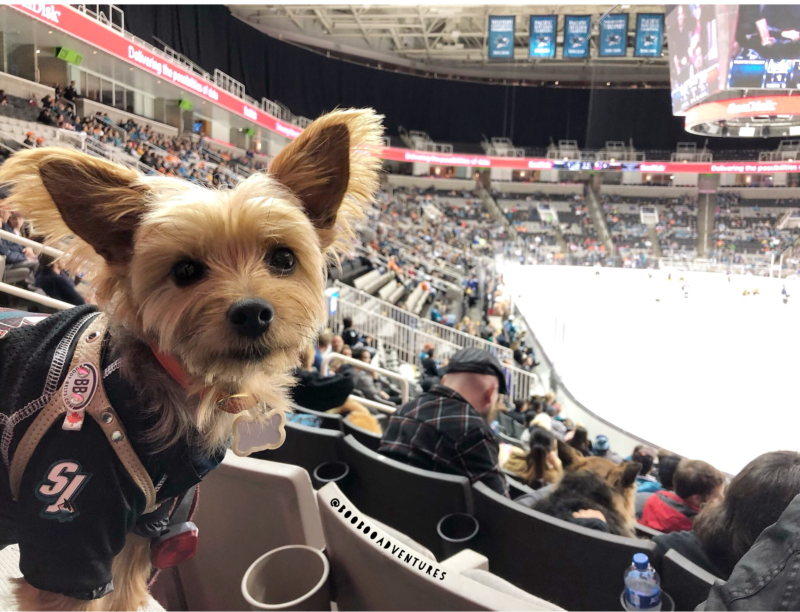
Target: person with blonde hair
[539,466]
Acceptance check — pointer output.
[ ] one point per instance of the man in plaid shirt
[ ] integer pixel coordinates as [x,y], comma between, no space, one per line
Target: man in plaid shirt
[445,429]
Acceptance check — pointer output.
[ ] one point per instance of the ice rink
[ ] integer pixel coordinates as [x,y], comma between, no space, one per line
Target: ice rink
[711,376]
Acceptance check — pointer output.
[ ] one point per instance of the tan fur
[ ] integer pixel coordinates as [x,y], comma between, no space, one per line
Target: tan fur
[132,230]
[365,420]
[620,477]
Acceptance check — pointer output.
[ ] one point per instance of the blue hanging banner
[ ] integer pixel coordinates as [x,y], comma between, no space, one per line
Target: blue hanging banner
[576,35]
[543,36]
[613,35]
[649,35]
[501,37]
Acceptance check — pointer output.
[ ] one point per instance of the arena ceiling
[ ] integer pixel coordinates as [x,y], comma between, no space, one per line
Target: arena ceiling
[450,41]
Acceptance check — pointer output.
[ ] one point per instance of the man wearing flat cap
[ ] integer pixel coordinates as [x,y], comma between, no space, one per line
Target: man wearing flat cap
[446,429]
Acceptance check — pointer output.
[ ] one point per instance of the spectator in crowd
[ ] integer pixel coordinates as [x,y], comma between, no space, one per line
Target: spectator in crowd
[540,466]
[579,440]
[350,335]
[667,464]
[30,138]
[367,382]
[70,93]
[3,97]
[447,430]
[645,481]
[17,256]
[696,484]
[55,282]
[773,554]
[602,448]
[337,344]
[322,348]
[44,117]
[317,392]
[725,530]
[431,374]
[556,426]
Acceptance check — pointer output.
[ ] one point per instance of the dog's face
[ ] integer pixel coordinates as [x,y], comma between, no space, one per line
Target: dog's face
[230,283]
[227,281]
[620,477]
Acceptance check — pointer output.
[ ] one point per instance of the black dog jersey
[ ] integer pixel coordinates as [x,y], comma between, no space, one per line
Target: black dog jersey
[77,502]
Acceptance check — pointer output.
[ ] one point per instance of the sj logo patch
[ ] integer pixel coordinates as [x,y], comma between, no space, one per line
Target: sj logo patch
[62,484]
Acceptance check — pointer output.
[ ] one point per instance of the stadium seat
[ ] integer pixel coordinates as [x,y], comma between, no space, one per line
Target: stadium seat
[404,497]
[370,576]
[506,423]
[307,447]
[369,439]
[516,488]
[328,421]
[687,583]
[247,508]
[648,533]
[508,439]
[518,429]
[574,567]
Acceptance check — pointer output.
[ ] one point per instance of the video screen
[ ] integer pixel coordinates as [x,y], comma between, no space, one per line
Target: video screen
[693,54]
[766,51]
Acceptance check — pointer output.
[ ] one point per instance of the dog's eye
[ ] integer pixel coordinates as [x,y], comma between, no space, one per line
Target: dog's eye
[282,261]
[187,272]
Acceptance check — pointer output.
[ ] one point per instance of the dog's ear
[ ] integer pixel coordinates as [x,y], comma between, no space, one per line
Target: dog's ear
[332,168]
[65,192]
[629,471]
[568,455]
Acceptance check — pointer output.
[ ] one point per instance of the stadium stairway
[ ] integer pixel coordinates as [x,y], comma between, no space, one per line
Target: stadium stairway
[562,243]
[653,235]
[706,205]
[599,220]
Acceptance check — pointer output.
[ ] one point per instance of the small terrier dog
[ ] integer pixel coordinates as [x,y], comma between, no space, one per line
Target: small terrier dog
[209,297]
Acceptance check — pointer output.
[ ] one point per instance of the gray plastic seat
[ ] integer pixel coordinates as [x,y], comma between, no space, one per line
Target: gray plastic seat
[688,584]
[307,447]
[574,567]
[406,498]
[369,439]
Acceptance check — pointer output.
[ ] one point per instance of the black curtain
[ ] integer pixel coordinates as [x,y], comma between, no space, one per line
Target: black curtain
[310,83]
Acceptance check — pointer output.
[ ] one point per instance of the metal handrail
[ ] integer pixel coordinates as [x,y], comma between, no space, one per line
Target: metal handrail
[12,237]
[366,366]
[385,408]
[433,328]
[34,297]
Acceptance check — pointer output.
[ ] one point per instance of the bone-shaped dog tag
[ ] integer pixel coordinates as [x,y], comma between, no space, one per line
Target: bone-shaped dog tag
[250,436]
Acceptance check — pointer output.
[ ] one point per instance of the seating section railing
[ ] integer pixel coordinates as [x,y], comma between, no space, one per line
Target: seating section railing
[370,303]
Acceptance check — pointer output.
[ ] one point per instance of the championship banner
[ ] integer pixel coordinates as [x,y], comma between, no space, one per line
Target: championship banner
[501,37]
[576,36]
[543,36]
[649,35]
[614,35]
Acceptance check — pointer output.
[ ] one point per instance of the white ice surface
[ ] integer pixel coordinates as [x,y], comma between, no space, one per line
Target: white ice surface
[713,376]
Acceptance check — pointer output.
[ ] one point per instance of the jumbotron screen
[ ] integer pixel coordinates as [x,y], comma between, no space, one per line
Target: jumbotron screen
[714,48]
[766,50]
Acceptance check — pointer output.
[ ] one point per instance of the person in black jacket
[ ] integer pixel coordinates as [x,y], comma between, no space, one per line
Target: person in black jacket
[317,392]
[55,284]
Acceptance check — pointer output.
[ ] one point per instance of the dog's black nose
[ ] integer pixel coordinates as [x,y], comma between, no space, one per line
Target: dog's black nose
[251,317]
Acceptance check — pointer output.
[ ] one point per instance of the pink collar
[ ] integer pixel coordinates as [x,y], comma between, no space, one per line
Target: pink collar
[232,404]
[171,365]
